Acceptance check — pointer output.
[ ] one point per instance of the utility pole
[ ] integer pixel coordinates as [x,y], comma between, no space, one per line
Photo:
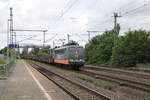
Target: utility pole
[8,38]
[68,37]
[11,29]
[116,15]
[44,38]
[11,26]
[15,37]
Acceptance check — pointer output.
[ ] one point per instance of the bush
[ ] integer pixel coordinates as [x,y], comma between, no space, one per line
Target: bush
[131,49]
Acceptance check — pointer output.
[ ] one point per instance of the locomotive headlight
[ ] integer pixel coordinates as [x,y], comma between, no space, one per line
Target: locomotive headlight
[82,60]
[71,60]
[76,56]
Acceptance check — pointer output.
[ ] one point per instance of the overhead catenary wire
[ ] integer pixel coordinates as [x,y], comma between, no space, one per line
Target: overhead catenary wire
[26,39]
[134,20]
[129,5]
[48,40]
[25,35]
[126,5]
[135,26]
[64,11]
[135,9]
[80,37]
[109,19]
[141,20]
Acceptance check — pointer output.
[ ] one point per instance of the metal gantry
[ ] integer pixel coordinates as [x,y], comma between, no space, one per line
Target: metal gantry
[11,33]
[44,31]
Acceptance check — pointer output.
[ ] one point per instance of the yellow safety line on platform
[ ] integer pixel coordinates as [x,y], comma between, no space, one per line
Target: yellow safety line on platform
[38,83]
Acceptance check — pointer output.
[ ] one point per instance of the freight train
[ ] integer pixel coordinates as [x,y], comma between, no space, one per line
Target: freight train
[70,56]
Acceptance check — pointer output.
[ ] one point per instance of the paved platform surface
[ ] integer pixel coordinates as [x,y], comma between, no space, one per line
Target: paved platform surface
[25,84]
[2,86]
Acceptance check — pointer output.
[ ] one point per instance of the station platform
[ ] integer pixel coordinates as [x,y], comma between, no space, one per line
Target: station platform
[25,83]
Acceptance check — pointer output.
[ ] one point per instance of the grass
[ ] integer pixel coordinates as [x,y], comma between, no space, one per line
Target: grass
[2,61]
[95,82]
[1,68]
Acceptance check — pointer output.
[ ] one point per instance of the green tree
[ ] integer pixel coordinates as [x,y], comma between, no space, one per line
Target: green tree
[3,51]
[131,49]
[34,51]
[99,49]
[72,43]
[39,52]
[42,53]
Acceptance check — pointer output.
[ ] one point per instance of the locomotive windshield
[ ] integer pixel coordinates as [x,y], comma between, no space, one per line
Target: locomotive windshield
[75,53]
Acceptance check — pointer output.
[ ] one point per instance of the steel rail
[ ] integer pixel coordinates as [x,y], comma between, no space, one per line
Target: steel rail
[104,97]
[63,88]
[121,81]
[117,71]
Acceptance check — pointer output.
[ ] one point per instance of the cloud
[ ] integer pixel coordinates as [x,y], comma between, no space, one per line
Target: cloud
[72,17]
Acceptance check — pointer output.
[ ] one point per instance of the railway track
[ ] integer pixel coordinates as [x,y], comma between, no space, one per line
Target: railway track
[74,88]
[118,78]
[117,71]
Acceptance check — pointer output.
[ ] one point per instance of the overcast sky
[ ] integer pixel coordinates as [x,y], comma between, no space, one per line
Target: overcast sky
[73,17]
